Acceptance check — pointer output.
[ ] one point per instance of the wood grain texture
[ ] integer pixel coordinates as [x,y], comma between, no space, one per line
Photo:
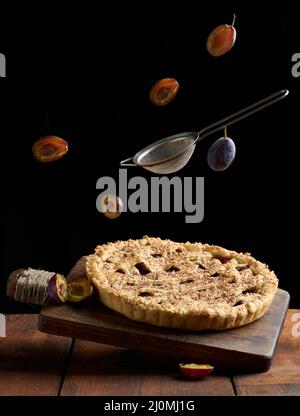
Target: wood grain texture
[12,283]
[283,378]
[77,270]
[101,370]
[31,363]
[246,349]
[249,348]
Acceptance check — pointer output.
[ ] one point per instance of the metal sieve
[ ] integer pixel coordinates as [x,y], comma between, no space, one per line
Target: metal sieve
[172,153]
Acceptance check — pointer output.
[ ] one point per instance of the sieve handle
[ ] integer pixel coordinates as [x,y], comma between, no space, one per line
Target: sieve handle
[124,162]
[241,114]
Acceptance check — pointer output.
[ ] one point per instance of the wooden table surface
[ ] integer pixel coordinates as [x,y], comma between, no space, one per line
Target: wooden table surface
[37,364]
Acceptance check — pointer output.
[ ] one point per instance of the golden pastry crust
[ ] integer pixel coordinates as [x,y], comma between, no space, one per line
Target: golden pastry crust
[191,286]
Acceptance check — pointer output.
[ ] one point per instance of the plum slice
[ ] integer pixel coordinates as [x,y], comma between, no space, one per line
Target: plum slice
[163,91]
[195,371]
[49,148]
[111,206]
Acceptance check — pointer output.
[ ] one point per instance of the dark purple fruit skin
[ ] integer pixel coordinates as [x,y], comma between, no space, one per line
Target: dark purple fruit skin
[221,154]
[53,289]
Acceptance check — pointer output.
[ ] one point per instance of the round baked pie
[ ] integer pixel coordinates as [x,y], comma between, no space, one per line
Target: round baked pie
[190,286]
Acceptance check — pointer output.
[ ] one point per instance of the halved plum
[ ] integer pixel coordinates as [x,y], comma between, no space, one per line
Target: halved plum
[112,206]
[58,288]
[196,371]
[61,290]
[221,39]
[79,290]
[163,91]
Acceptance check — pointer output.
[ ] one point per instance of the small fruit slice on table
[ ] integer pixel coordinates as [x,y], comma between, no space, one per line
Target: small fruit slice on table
[76,291]
[196,371]
[221,39]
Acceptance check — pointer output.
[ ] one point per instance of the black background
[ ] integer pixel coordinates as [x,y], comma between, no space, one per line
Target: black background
[91,72]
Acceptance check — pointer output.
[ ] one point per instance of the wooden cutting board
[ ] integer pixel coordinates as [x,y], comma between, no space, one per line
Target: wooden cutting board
[246,349]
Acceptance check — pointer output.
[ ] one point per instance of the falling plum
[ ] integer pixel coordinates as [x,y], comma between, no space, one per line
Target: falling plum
[221,153]
[49,148]
[221,39]
[112,206]
[164,91]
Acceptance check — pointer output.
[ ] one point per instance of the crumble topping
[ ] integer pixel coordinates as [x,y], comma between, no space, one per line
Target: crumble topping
[165,273]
